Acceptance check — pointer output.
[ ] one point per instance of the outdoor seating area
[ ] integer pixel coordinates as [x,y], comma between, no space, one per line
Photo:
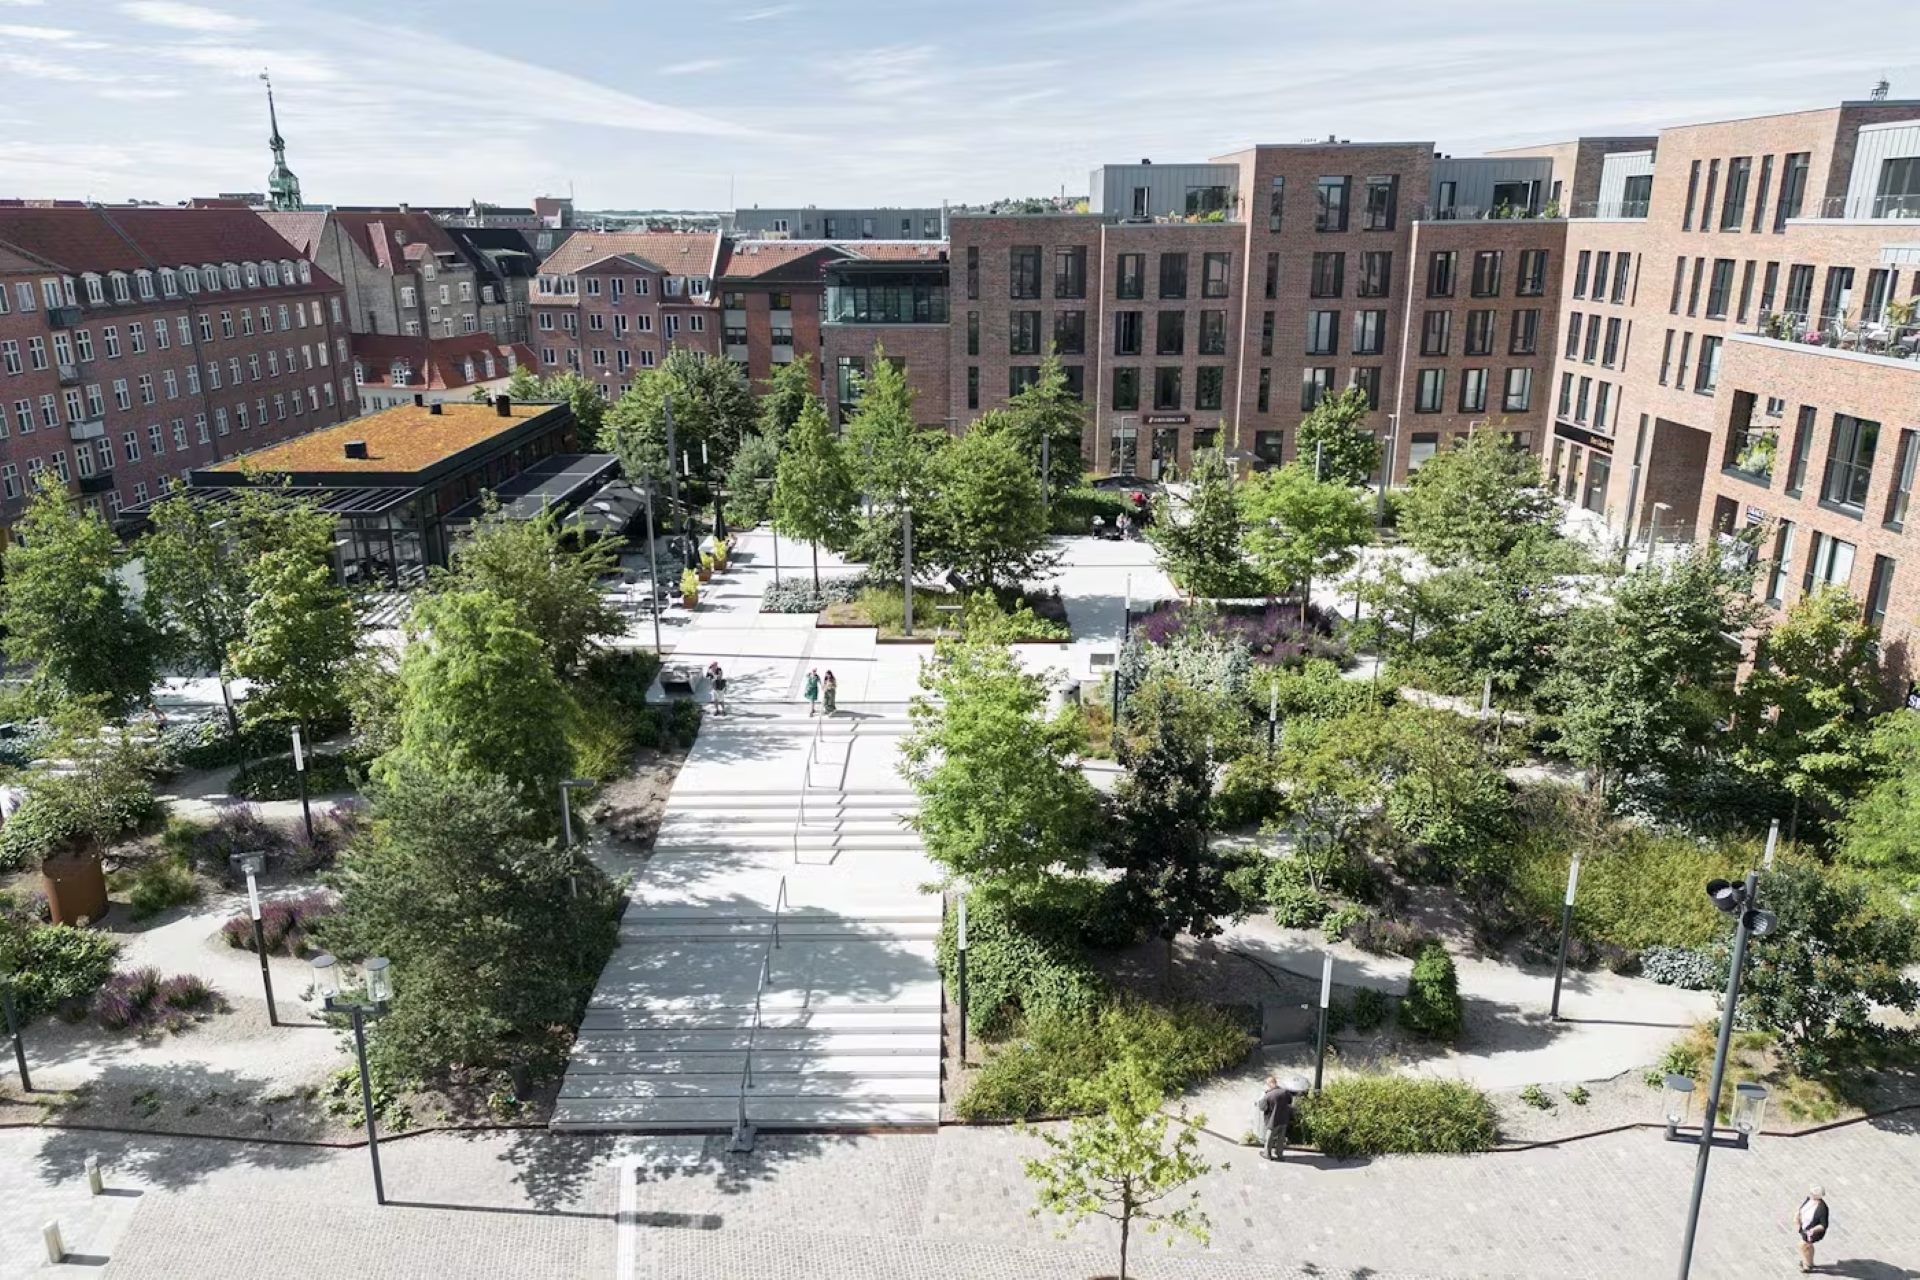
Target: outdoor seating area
[1842,333]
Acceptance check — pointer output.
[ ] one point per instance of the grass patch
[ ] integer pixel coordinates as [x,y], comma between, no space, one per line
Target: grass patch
[1393,1115]
[166,881]
[1751,1060]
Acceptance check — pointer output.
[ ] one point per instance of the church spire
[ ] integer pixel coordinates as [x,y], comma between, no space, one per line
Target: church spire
[283,189]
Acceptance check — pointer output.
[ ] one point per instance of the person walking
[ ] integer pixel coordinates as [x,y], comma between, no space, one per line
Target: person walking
[718,679]
[830,691]
[1125,522]
[1276,1113]
[1810,1224]
[812,690]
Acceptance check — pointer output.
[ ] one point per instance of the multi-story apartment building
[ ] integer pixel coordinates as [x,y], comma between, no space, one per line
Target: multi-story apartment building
[609,304]
[139,344]
[812,223]
[890,296]
[403,273]
[390,371]
[1740,349]
[505,265]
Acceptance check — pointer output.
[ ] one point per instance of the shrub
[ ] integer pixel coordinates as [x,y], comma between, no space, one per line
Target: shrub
[1248,792]
[1269,634]
[1074,509]
[238,828]
[140,1000]
[1432,1007]
[621,677]
[1036,1073]
[1026,956]
[1370,1009]
[285,923]
[24,906]
[61,967]
[23,743]
[1296,903]
[1684,1057]
[1341,921]
[167,881]
[601,739]
[1393,1115]
[1689,968]
[1317,691]
[797,594]
[1380,936]
[275,779]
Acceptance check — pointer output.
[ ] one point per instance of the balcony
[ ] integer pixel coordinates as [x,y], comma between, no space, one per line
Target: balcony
[1548,212]
[98,482]
[91,429]
[69,375]
[1611,210]
[1889,207]
[886,303]
[63,317]
[1895,335]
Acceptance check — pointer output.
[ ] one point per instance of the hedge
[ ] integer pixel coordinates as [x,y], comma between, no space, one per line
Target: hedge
[1393,1115]
[61,965]
[1028,955]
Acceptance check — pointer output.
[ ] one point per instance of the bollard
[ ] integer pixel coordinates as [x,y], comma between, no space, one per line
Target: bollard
[95,1183]
[56,1251]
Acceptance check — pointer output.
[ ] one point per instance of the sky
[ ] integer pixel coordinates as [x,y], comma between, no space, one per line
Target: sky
[691,104]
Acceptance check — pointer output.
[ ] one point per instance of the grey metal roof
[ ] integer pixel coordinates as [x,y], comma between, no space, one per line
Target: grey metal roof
[552,481]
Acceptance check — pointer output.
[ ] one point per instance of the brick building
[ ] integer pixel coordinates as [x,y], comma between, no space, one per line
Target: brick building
[390,371]
[402,273]
[137,344]
[608,304]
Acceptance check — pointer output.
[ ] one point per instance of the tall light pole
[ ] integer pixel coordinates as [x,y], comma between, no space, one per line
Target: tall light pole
[1326,1003]
[1386,468]
[653,572]
[906,559]
[960,957]
[252,864]
[378,973]
[566,822]
[1566,932]
[300,768]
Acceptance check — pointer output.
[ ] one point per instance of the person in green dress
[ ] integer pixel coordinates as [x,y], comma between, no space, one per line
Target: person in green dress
[813,689]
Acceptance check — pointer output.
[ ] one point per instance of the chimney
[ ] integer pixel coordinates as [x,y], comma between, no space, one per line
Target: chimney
[356,449]
[434,408]
[419,400]
[503,405]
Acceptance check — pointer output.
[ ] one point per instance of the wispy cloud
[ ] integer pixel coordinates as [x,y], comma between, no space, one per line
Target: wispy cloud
[51,35]
[28,66]
[186,17]
[697,66]
[761,15]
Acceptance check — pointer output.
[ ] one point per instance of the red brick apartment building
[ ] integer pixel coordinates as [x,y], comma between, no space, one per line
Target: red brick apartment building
[137,344]
[610,304]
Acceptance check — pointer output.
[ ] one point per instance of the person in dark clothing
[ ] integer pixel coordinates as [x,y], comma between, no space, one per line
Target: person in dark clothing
[1276,1113]
[1810,1224]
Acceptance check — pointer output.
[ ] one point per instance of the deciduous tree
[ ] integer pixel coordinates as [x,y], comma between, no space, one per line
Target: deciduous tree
[791,388]
[1881,829]
[993,529]
[1045,409]
[579,393]
[1476,501]
[1333,438]
[554,587]
[1298,528]
[300,629]
[1199,542]
[812,492]
[711,405]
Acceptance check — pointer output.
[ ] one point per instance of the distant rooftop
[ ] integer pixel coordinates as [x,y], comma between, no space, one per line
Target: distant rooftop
[406,438]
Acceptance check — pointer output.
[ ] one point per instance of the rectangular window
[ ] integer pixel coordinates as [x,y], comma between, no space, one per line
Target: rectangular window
[1602,397]
[1798,302]
[1126,333]
[1376,274]
[1830,564]
[1693,293]
[1581,265]
[1266,335]
[1707,376]
[1760,193]
[1533,273]
[1850,462]
[1273,275]
[1023,271]
[973,271]
[1126,388]
[1166,387]
[1207,385]
[1480,326]
[1070,271]
[1213,333]
[1582,400]
[1276,204]
[1524,335]
[1693,193]
[1263,400]
[1130,280]
[1900,496]
[1020,377]
[1793,188]
[1620,268]
[1440,269]
[1173,275]
[1170,333]
[1329,275]
[1486,273]
[973,333]
[1592,350]
[1473,391]
[1330,204]
[1070,332]
[1214,269]
[1879,588]
[1315,383]
[1368,380]
[1733,205]
[1023,333]
[1382,204]
[1720,289]
[1706,204]
[1802,449]
[1431,391]
[1369,332]
[1323,333]
[1519,394]
[1779,573]
[1436,332]
[1746,292]
[1610,353]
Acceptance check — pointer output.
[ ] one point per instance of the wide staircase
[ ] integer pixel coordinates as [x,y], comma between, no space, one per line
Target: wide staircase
[776,966]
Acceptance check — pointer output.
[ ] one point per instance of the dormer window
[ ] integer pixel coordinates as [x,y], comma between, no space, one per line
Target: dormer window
[120,291]
[144,281]
[466,368]
[489,364]
[271,270]
[96,289]
[286,270]
[169,282]
[190,279]
[428,270]
[232,273]
[400,238]
[210,277]
[399,373]
[359,374]
[306,272]
[697,286]
[253,275]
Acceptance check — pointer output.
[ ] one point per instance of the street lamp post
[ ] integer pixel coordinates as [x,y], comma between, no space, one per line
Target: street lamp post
[566,822]
[13,1033]
[1326,1003]
[300,767]
[378,973]
[1566,932]
[1273,717]
[960,956]
[251,865]
[653,572]
[1386,468]
[1742,902]
[906,557]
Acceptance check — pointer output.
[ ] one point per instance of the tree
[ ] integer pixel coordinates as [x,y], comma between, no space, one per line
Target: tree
[711,405]
[1475,502]
[1002,801]
[1646,677]
[750,481]
[1045,409]
[1806,708]
[300,629]
[994,531]
[1333,443]
[1199,543]
[578,393]
[66,611]
[1117,1164]
[554,588]
[812,494]
[891,460]
[1834,953]
[1881,829]
[497,935]
[789,391]
[1162,805]
[1297,527]
[478,695]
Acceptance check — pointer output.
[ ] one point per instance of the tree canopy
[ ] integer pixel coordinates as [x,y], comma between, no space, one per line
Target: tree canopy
[1334,435]
[300,629]
[789,391]
[1199,543]
[711,405]
[1881,830]
[812,493]
[994,528]
[552,586]
[1298,528]
[579,393]
[1476,501]
[1045,409]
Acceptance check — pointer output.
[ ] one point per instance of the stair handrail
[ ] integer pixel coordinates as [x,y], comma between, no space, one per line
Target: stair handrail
[740,1130]
[806,772]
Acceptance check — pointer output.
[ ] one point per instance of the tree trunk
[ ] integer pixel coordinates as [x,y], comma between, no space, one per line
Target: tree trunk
[1306,593]
[233,725]
[1126,1226]
[1793,822]
[1166,970]
[816,565]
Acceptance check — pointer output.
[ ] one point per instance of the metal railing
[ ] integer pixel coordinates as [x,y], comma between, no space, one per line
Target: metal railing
[742,1131]
[1610,209]
[1431,212]
[1901,205]
[1880,337]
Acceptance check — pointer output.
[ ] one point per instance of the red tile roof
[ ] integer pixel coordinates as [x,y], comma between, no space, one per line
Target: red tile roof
[96,239]
[389,238]
[692,253]
[437,364]
[747,259]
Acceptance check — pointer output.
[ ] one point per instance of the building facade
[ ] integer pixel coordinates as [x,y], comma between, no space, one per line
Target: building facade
[610,304]
[139,344]
[403,274]
[813,223]
[390,371]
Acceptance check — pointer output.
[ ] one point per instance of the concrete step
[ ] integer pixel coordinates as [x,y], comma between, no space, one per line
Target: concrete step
[837,1085]
[615,1046]
[716,1115]
[643,931]
[874,1019]
[768,1067]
